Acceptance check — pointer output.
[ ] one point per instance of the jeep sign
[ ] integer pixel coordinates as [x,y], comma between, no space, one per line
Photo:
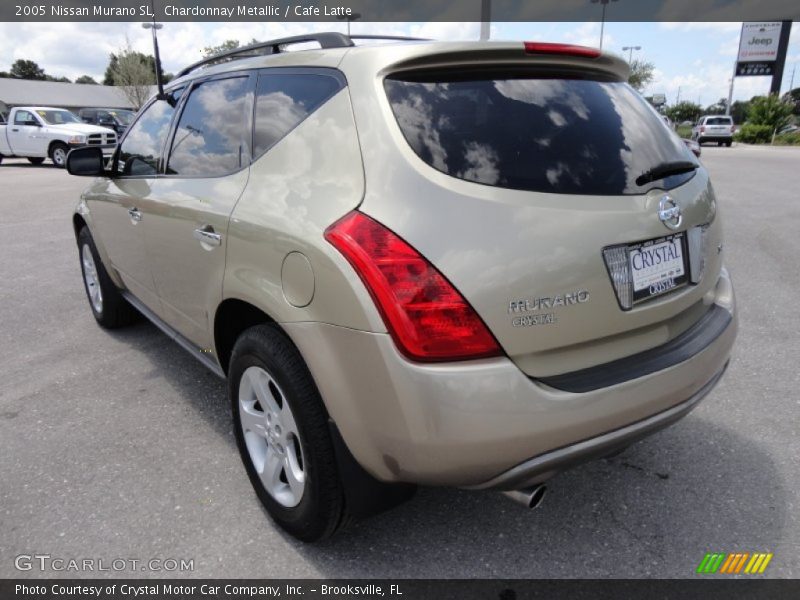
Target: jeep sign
[759,42]
[762,50]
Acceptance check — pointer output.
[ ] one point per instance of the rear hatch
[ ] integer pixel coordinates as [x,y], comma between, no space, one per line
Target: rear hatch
[717,126]
[555,200]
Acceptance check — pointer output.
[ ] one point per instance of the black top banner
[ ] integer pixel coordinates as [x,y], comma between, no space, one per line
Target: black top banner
[392,10]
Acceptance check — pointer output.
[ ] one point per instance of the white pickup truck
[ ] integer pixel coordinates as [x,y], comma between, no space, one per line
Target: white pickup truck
[39,132]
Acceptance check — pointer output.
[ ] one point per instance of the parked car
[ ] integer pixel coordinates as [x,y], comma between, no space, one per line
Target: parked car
[693,146]
[429,263]
[714,128]
[38,132]
[113,118]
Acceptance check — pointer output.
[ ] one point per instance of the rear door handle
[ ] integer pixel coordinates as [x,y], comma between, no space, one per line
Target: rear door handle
[135,214]
[207,235]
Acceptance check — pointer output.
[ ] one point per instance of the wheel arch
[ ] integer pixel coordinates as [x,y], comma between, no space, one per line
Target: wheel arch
[232,317]
[78,223]
[54,143]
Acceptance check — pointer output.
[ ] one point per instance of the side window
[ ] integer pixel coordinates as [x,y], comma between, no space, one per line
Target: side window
[212,134]
[284,101]
[22,117]
[141,148]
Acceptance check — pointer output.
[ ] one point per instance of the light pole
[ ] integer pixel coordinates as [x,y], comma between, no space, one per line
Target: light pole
[350,18]
[630,51]
[155,26]
[603,20]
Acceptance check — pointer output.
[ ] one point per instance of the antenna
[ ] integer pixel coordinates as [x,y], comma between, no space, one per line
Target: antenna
[154,26]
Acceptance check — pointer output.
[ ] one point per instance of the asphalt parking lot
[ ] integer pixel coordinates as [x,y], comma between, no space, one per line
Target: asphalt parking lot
[120,445]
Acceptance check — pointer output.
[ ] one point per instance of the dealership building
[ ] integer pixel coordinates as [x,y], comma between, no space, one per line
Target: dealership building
[72,96]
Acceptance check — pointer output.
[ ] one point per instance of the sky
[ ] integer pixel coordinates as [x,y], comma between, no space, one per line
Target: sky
[694,60]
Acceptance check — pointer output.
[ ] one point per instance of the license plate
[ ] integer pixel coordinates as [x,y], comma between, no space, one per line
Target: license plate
[658,266]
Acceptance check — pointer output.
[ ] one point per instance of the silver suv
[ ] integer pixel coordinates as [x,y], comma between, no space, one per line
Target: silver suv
[418,263]
[714,128]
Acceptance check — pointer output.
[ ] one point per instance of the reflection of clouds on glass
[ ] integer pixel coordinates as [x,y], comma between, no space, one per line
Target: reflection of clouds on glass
[554,174]
[209,137]
[415,117]
[542,92]
[635,133]
[276,113]
[481,163]
[557,118]
[147,136]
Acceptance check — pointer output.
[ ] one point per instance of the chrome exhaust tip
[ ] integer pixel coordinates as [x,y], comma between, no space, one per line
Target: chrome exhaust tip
[529,497]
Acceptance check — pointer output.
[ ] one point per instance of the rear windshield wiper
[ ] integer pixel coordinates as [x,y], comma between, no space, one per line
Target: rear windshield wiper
[666,169]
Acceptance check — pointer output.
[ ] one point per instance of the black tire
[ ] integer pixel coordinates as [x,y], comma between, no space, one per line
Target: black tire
[35,160]
[58,154]
[729,143]
[321,509]
[1,159]
[114,311]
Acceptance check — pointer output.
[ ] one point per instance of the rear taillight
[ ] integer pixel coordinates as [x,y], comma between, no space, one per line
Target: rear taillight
[426,316]
[702,128]
[733,128]
[565,49]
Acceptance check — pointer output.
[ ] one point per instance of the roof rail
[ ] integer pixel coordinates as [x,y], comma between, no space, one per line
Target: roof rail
[329,39]
[399,38]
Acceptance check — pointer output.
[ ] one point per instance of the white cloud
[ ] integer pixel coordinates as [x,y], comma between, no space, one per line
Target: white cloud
[588,34]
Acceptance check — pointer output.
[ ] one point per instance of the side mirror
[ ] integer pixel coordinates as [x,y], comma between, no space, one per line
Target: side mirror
[86,162]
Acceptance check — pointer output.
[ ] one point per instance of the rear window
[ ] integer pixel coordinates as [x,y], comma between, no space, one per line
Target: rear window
[564,136]
[718,121]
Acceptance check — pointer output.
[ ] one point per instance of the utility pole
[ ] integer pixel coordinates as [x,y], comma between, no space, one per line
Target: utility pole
[350,18]
[791,82]
[630,51]
[730,90]
[603,19]
[486,19]
[156,26]
[678,99]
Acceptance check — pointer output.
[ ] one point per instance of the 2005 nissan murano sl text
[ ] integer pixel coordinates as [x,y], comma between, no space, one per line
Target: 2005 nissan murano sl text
[468,264]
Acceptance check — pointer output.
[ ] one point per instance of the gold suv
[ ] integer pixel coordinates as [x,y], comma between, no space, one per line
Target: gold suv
[464,264]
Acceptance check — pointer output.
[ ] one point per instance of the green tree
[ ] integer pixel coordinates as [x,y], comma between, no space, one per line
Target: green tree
[27,69]
[641,74]
[769,111]
[86,79]
[134,73]
[684,111]
[718,108]
[739,110]
[225,46]
[130,55]
[793,96]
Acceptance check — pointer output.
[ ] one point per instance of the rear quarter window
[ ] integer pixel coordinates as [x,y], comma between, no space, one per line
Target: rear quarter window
[283,101]
[566,136]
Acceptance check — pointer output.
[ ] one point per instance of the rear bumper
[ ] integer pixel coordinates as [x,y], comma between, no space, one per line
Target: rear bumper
[485,423]
[543,467]
[717,137]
